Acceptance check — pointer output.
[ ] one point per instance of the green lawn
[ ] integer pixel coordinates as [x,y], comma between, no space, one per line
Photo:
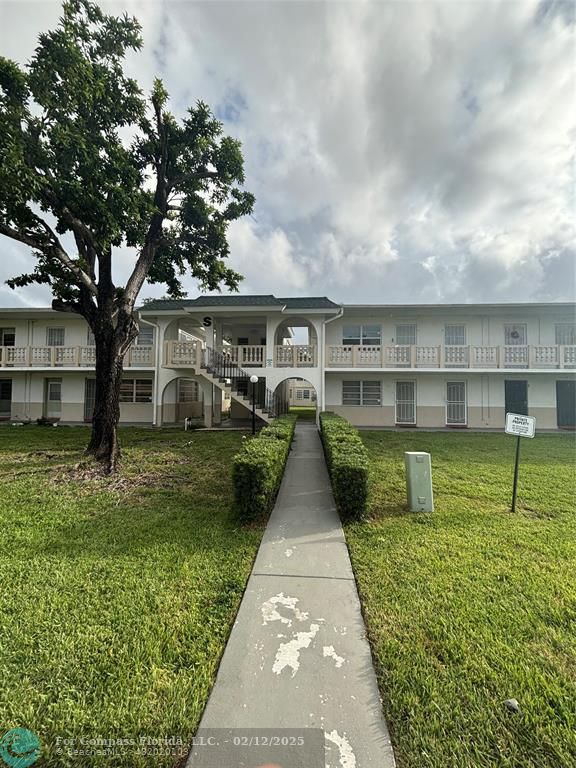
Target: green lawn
[471,605]
[117,594]
[304,412]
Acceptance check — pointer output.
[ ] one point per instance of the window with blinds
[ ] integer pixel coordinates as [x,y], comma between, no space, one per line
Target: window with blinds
[362,393]
[455,335]
[188,391]
[362,335]
[54,337]
[566,334]
[406,334]
[136,391]
[145,336]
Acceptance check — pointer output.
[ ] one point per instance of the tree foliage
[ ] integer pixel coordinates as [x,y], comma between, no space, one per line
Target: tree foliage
[84,152]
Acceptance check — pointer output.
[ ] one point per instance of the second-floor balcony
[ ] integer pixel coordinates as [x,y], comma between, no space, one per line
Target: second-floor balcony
[138,356]
[469,356]
[188,354]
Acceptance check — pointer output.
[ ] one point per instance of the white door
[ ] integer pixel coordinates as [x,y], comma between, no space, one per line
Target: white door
[405,402]
[53,402]
[456,403]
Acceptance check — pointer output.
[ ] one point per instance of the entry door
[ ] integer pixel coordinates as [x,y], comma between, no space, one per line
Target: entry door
[405,402]
[5,398]
[89,399]
[456,403]
[53,401]
[516,397]
[566,403]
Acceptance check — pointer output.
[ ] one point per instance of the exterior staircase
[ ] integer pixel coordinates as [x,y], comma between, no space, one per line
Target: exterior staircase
[219,370]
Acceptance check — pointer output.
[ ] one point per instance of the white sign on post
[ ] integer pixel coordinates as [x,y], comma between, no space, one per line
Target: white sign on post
[518,424]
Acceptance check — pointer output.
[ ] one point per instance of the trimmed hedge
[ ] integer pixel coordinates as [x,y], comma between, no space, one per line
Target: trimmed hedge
[347,461]
[257,470]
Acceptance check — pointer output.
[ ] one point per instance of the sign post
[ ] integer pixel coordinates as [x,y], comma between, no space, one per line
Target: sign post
[521,426]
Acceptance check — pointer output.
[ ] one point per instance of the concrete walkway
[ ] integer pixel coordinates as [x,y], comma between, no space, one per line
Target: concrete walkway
[298,656]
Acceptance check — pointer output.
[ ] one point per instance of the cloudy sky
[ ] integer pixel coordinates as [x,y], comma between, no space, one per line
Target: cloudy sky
[399,151]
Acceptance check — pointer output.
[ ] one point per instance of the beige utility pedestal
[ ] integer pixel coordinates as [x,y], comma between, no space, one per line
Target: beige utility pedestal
[419,481]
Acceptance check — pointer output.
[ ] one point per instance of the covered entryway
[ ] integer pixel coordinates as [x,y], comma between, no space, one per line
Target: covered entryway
[566,404]
[516,396]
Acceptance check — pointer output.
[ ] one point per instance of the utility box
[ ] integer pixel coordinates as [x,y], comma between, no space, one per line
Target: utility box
[419,481]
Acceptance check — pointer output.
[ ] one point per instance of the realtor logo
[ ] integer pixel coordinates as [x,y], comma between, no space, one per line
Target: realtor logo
[19,748]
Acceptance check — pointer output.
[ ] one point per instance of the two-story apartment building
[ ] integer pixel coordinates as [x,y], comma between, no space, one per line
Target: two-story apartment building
[428,366]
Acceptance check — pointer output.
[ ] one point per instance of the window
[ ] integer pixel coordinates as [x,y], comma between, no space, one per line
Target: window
[456,402]
[566,333]
[54,337]
[136,391]
[188,391]
[145,336]
[299,394]
[455,335]
[405,402]
[243,341]
[7,337]
[361,393]
[406,334]
[515,334]
[306,394]
[362,335]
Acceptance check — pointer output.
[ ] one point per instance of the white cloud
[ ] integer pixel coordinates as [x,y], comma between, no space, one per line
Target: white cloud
[398,151]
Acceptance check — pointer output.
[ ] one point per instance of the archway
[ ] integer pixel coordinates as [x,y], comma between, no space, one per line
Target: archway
[182,398]
[299,396]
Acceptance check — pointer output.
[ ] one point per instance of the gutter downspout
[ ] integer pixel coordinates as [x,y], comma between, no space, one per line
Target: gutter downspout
[323,366]
[157,365]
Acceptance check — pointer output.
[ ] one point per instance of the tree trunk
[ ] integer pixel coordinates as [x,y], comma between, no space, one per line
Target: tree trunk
[104,444]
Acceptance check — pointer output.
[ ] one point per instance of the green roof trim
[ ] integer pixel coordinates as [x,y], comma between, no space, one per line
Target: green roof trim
[236,300]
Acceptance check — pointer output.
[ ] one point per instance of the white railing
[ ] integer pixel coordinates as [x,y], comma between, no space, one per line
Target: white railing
[400,356]
[568,357]
[295,356]
[484,357]
[69,357]
[462,356]
[249,355]
[182,354]
[457,356]
[516,355]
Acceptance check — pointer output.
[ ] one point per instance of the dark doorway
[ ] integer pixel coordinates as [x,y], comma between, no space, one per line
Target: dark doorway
[5,398]
[89,399]
[516,397]
[566,404]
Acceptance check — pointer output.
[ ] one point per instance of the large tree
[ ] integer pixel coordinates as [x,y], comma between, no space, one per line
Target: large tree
[85,155]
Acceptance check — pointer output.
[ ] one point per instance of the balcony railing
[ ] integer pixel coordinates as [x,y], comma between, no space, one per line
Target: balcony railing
[187,354]
[69,357]
[469,356]
[245,355]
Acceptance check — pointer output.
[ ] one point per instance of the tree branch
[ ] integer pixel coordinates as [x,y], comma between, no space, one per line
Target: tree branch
[53,248]
[154,234]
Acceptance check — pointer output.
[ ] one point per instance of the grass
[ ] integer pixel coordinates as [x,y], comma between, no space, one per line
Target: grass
[117,594]
[471,605]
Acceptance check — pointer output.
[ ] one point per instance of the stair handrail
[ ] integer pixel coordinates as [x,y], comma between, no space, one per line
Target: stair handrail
[221,365]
